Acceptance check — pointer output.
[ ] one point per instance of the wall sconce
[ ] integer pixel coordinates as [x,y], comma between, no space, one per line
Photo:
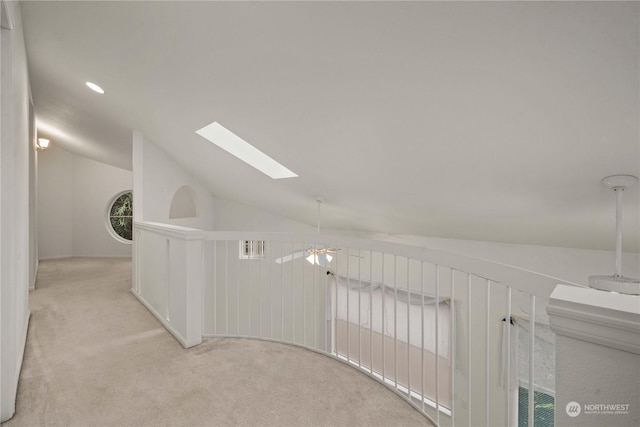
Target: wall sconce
[43,143]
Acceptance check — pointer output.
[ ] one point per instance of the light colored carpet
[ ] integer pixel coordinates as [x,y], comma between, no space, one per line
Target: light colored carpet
[96,357]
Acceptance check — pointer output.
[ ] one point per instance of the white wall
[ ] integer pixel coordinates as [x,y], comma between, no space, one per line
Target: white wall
[596,374]
[33,200]
[234,216]
[94,186]
[55,203]
[14,208]
[74,194]
[157,178]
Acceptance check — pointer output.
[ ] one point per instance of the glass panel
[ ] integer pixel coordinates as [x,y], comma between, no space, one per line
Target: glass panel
[122,206]
[252,249]
[123,226]
[542,412]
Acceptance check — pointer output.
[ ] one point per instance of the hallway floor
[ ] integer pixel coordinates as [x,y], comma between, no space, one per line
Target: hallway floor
[96,357]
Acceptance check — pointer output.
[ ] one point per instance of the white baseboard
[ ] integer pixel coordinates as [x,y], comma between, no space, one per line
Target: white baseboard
[54,257]
[32,285]
[103,256]
[83,256]
[23,344]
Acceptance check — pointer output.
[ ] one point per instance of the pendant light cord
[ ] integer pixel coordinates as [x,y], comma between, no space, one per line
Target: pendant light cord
[619,192]
[318,217]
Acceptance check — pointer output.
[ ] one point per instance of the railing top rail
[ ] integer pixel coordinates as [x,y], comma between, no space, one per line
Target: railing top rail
[537,284]
[176,231]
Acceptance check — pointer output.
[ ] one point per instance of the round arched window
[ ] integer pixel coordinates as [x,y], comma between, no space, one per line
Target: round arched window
[121,216]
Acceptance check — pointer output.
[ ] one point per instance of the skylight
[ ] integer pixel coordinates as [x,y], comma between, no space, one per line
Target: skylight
[246,152]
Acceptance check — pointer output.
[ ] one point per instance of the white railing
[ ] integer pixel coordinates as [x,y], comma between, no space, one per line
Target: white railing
[168,277]
[428,324]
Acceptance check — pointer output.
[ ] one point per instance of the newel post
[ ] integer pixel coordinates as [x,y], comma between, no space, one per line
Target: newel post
[186,286]
[597,357]
[169,278]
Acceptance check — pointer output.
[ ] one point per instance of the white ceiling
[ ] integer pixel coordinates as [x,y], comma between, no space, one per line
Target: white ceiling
[488,121]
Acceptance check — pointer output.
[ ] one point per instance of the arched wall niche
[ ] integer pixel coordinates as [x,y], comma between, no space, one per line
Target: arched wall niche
[183,204]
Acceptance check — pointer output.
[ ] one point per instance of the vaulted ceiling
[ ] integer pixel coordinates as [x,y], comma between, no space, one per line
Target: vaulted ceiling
[484,120]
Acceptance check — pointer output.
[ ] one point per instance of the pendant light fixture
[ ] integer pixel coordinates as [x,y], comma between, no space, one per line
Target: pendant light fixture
[617,283]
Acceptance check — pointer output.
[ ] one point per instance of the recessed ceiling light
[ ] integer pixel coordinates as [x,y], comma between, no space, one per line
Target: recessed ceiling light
[94,87]
[246,152]
[43,143]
